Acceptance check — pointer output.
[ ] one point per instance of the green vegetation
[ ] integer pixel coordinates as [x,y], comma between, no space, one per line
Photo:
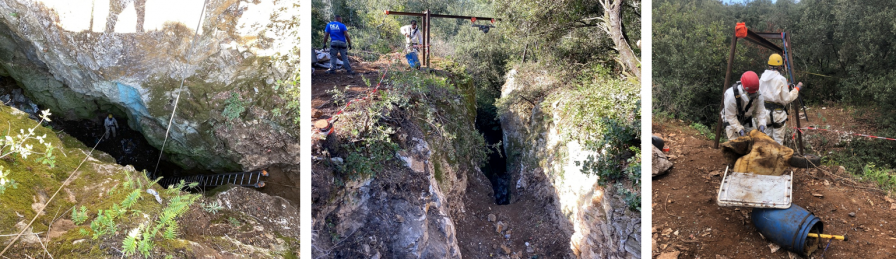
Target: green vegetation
[563,52]
[703,130]
[12,146]
[142,238]
[603,114]
[841,53]
[79,217]
[233,107]
[433,101]
[212,207]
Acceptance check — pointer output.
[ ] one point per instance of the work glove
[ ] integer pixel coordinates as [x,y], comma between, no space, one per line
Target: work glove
[762,128]
[741,133]
[799,86]
[349,46]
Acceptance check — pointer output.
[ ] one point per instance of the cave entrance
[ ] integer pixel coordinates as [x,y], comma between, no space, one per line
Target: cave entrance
[495,168]
[128,147]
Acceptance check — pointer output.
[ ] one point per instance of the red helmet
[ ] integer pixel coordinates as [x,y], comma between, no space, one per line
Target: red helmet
[750,81]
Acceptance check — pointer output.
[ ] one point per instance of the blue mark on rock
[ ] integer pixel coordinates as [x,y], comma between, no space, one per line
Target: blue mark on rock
[132,100]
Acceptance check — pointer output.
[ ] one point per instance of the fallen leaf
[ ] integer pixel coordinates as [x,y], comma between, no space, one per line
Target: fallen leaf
[667,231]
[774,247]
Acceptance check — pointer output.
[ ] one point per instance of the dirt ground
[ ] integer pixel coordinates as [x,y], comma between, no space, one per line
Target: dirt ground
[322,83]
[526,218]
[687,219]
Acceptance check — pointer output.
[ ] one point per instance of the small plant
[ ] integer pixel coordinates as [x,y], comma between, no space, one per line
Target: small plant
[233,107]
[79,217]
[15,145]
[233,221]
[631,198]
[212,207]
[143,242]
[5,181]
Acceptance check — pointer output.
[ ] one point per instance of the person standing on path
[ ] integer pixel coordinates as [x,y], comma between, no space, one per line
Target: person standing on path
[411,36]
[776,95]
[337,34]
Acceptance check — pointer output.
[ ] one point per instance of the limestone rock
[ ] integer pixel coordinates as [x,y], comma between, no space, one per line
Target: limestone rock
[661,163]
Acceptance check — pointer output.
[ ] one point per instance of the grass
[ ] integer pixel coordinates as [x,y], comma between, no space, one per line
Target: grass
[884,177]
[703,130]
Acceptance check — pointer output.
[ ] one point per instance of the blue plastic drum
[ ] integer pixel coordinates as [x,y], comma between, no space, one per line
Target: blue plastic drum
[413,61]
[789,228]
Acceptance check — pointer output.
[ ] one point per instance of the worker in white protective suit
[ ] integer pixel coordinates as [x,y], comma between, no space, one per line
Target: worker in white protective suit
[743,104]
[111,125]
[777,95]
[411,36]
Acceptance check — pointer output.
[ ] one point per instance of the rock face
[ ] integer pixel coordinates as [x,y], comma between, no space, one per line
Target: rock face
[408,209]
[128,58]
[600,223]
[404,212]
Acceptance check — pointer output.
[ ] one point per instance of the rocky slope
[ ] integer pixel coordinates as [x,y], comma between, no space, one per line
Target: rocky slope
[128,58]
[596,218]
[246,224]
[408,209]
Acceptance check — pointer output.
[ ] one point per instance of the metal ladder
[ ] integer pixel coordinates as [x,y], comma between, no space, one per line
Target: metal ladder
[245,179]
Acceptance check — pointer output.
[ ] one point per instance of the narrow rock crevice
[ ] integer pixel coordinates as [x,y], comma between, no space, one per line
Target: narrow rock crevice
[495,168]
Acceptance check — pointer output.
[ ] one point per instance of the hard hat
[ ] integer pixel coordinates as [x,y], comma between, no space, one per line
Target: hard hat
[750,81]
[110,116]
[775,60]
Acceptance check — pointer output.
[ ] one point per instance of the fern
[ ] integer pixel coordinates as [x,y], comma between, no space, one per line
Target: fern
[170,231]
[131,199]
[129,245]
[79,217]
[145,246]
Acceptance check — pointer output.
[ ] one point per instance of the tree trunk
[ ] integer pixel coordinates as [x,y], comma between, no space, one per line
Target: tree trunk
[613,18]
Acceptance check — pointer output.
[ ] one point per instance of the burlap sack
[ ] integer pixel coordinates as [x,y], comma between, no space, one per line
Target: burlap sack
[757,153]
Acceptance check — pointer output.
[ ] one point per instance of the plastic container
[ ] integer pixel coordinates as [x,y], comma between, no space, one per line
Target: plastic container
[413,61]
[789,228]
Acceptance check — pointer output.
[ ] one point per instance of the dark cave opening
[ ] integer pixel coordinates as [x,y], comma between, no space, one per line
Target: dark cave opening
[495,167]
[128,146]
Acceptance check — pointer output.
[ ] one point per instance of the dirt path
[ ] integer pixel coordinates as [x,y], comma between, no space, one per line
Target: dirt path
[322,83]
[687,219]
[526,219]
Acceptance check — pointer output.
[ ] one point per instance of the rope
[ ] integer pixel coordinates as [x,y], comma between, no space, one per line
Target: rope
[181,88]
[847,133]
[66,182]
